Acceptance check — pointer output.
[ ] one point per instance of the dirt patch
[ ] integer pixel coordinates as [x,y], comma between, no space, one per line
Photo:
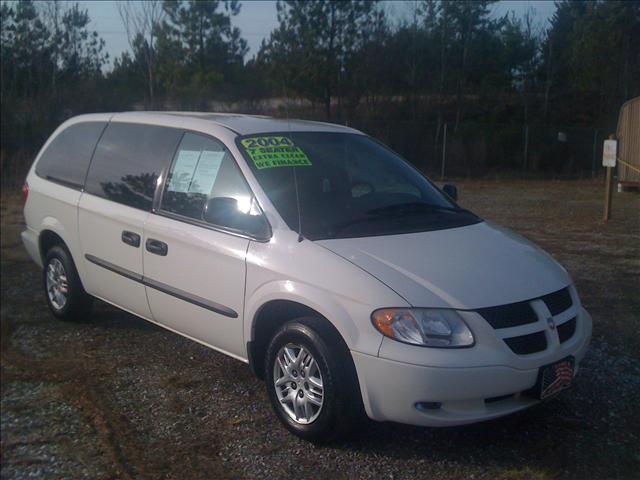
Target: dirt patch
[113,396]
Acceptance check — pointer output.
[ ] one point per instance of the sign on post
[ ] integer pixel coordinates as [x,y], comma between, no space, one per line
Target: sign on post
[609,153]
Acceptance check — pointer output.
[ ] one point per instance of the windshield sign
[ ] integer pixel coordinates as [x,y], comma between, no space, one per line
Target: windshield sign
[349,186]
[274,151]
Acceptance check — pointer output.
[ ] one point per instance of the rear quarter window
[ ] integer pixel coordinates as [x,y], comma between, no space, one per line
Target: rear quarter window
[66,159]
[128,161]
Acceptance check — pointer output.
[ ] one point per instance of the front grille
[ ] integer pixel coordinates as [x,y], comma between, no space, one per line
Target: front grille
[511,315]
[558,302]
[526,344]
[566,330]
[521,313]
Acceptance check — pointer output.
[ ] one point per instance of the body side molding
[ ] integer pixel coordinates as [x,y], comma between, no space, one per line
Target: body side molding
[164,288]
[136,277]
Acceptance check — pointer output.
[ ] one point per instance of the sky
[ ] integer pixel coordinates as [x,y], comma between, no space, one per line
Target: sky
[258,18]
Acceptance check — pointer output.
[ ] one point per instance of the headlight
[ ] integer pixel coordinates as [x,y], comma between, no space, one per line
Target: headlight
[423,326]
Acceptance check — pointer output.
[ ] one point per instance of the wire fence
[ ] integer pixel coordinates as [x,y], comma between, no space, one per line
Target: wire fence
[479,149]
[470,150]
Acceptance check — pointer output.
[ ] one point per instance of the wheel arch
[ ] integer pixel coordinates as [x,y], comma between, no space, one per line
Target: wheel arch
[279,301]
[271,315]
[48,239]
[52,233]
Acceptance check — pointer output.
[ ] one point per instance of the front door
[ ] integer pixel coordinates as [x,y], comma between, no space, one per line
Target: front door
[194,270]
[195,281]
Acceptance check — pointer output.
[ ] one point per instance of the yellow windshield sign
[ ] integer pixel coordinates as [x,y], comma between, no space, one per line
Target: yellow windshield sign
[274,151]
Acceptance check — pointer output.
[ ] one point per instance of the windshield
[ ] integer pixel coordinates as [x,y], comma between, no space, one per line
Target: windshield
[348,186]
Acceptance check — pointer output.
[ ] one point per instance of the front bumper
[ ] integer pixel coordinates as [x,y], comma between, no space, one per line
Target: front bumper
[454,395]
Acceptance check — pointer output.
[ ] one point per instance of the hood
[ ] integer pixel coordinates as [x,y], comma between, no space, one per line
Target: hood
[475,266]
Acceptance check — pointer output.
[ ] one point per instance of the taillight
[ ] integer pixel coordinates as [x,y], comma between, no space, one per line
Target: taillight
[25,192]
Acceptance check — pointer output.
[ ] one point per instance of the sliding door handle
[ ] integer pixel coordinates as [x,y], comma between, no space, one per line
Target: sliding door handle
[156,247]
[131,238]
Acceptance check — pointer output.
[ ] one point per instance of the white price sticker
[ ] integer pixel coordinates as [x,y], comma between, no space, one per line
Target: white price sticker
[206,172]
[183,170]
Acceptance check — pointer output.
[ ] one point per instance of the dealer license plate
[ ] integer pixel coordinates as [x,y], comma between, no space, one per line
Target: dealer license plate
[554,378]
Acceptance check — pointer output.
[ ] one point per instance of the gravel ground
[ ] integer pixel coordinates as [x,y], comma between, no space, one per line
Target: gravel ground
[116,397]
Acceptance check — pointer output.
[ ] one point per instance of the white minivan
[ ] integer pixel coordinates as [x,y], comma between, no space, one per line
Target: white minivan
[347,280]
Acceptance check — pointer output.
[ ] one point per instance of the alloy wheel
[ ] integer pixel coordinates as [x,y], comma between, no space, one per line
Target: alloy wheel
[298,383]
[56,282]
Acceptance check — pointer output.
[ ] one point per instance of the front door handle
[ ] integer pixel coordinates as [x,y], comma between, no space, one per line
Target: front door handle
[131,238]
[156,247]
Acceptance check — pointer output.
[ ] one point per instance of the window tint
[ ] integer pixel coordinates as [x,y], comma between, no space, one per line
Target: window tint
[348,186]
[67,157]
[128,161]
[202,170]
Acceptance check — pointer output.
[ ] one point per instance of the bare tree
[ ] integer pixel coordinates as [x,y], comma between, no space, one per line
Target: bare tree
[141,21]
[532,33]
[52,14]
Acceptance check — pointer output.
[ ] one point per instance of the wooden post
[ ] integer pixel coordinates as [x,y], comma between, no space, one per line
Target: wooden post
[444,151]
[595,149]
[526,148]
[607,194]
[608,190]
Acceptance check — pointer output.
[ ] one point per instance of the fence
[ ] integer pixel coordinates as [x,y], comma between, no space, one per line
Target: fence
[478,149]
[471,150]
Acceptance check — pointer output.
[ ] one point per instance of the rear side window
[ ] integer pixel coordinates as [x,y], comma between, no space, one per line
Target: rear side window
[67,157]
[128,161]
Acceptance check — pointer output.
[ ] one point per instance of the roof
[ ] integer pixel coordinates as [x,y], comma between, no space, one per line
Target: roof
[251,124]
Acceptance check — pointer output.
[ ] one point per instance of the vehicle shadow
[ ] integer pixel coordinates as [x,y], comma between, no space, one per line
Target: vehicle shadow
[107,316]
[550,437]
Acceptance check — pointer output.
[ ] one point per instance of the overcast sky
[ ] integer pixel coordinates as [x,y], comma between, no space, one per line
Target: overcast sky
[258,18]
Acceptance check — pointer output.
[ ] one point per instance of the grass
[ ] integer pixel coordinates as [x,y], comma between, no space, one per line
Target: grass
[565,218]
[113,396]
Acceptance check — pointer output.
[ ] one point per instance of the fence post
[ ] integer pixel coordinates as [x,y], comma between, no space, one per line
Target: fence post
[595,147]
[526,148]
[444,151]
[609,187]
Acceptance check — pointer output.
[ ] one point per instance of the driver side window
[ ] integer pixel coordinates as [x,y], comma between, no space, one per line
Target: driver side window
[204,174]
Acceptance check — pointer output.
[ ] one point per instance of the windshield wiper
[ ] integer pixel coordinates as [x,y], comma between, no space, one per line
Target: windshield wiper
[411,207]
[392,211]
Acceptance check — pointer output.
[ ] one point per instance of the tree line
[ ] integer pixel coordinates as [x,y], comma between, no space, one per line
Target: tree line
[343,61]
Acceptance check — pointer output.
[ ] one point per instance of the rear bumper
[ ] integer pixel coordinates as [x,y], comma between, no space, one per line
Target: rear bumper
[449,396]
[30,241]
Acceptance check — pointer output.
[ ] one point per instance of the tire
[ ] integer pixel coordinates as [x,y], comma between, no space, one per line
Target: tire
[341,407]
[63,290]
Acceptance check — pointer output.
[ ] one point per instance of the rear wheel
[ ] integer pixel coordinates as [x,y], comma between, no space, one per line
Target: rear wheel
[65,295]
[314,395]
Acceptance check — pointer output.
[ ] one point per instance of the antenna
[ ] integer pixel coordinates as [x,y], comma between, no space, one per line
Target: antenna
[295,175]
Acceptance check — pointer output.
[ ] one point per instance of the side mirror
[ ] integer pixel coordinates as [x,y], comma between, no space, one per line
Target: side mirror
[451,191]
[224,212]
[220,211]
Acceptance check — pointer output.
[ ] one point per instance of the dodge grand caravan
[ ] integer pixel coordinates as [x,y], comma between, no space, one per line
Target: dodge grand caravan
[339,273]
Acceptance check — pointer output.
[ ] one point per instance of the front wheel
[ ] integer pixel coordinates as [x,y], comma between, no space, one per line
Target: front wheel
[314,395]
